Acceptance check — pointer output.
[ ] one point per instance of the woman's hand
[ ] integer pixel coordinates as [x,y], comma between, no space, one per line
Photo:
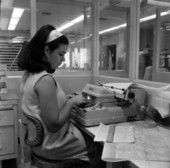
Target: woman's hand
[76,100]
[69,96]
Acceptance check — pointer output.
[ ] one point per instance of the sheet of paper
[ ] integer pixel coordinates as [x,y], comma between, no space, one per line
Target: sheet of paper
[102,133]
[118,86]
[112,133]
[124,134]
[109,152]
[161,104]
[149,145]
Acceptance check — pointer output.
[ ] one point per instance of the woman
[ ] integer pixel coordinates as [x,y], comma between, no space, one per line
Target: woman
[44,99]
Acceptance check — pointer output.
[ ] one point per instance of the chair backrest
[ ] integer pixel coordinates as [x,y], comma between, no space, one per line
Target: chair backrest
[34,132]
[31,133]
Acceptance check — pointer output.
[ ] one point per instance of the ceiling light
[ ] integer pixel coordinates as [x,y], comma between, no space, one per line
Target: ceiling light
[165,13]
[113,28]
[147,18]
[124,25]
[14,21]
[158,3]
[11,27]
[17,12]
[71,23]
[141,20]
[15,17]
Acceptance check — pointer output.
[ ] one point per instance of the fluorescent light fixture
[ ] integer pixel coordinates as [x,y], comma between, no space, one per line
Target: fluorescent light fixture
[11,27]
[65,26]
[158,3]
[80,18]
[15,17]
[113,28]
[14,21]
[124,25]
[147,18]
[17,12]
[141,20]
[71,23]
[165,13]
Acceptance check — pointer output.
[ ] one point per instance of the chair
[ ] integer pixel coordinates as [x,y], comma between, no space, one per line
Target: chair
[33,137]
[31,134]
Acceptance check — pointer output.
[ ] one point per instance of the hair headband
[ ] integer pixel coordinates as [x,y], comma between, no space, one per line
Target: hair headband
[54,34]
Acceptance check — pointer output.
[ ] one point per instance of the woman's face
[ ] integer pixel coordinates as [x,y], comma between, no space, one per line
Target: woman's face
[56,57]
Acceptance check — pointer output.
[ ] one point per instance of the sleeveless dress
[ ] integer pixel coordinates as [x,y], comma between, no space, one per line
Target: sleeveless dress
[66,143]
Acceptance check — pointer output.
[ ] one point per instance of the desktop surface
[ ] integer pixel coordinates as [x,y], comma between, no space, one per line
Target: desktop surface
[156,133]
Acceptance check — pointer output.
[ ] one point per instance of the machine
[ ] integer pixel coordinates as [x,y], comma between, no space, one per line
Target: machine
[110,103]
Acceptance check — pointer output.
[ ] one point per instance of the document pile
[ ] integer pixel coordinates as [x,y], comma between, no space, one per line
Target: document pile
[134,141]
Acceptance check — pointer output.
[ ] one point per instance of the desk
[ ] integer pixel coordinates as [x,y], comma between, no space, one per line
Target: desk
[8,126]
[132,163]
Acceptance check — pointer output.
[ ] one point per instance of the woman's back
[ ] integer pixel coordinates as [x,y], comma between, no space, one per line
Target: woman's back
[66,143]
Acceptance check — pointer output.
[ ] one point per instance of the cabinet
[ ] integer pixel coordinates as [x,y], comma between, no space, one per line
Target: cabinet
[8,126]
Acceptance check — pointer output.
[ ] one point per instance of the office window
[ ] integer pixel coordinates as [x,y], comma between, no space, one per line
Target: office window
[14,30]
[164,54]
[113,38]
[146,39]
[154,48]
[72,18]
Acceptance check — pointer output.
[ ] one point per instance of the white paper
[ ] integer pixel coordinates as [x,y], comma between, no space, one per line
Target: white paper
[160,104]
[102,133]
[151,144]
[124,134]
[118,86]
[109,152]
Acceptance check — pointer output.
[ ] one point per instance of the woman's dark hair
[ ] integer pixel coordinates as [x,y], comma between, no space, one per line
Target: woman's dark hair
[31,59]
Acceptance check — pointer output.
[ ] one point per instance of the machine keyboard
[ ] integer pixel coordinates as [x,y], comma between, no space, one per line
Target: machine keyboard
[85,105]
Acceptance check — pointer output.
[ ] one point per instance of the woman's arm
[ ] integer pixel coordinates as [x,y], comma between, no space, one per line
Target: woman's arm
[50,114]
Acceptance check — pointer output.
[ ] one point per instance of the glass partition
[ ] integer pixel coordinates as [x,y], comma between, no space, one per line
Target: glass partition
[154,48]
[146,38]
[164,54]
[72,18]
[113,38]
